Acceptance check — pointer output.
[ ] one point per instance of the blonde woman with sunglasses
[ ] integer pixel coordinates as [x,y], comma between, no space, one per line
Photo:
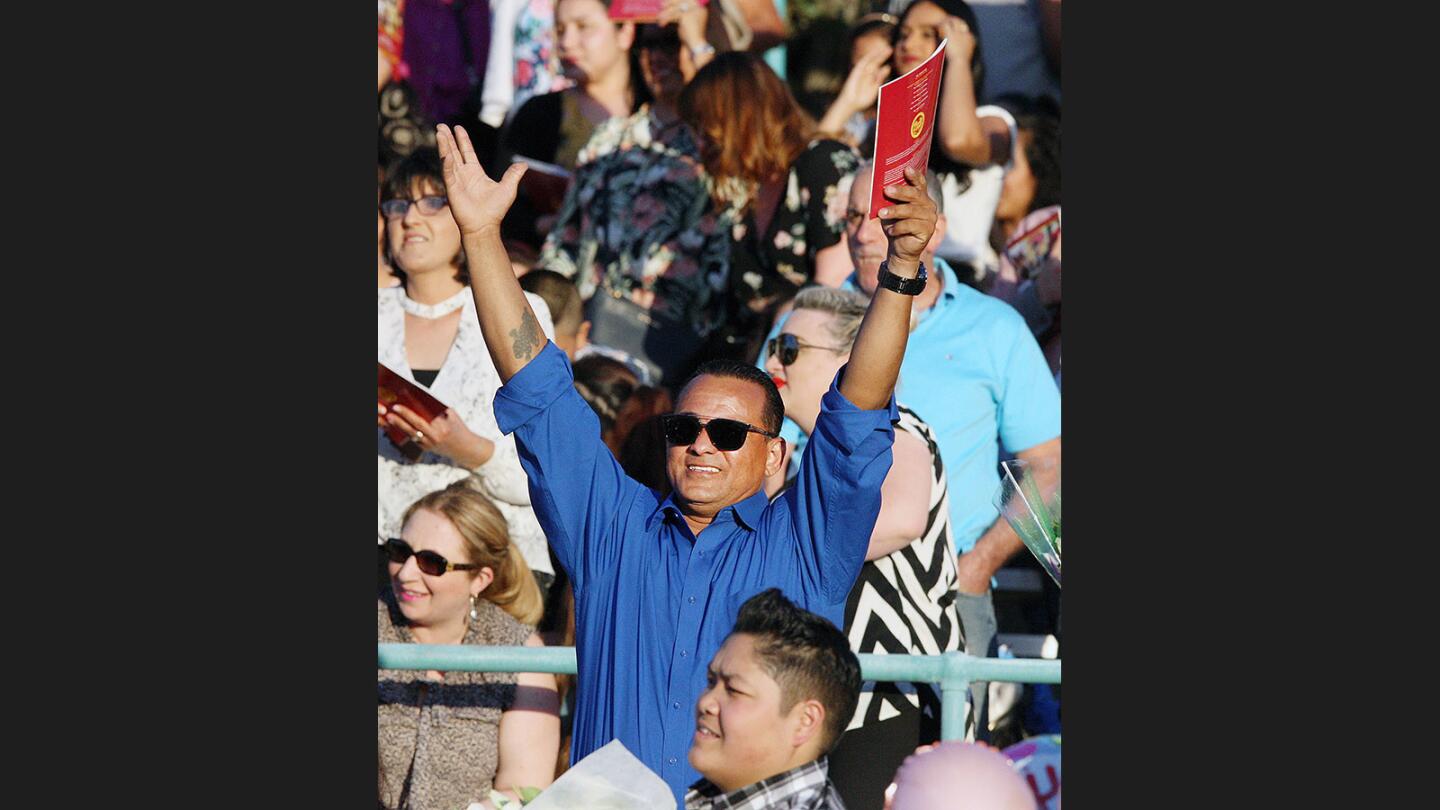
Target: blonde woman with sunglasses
[905,598]
[447,738]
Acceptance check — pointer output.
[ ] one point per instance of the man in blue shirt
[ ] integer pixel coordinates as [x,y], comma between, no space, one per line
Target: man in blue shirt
[658,581]
[973,368]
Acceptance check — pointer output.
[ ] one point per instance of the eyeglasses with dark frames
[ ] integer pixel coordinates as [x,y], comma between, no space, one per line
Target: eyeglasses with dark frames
[428,205]
[725,434]
[428,561]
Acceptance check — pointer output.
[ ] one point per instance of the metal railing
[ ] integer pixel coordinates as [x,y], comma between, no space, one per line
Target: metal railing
[952,671]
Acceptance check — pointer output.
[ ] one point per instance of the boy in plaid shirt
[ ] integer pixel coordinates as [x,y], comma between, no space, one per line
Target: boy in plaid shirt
[780,692]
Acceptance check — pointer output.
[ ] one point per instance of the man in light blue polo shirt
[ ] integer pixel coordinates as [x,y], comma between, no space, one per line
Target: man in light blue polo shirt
[974,372]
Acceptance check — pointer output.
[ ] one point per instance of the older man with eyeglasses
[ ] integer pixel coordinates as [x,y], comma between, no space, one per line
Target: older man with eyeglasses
[659,580]
[976,373]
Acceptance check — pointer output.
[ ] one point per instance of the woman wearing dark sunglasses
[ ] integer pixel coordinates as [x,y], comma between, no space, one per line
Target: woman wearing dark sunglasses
[429,334]
[447,738]
[909,567]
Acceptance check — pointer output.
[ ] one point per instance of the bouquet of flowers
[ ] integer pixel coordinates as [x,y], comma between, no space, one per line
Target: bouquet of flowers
[1029,498]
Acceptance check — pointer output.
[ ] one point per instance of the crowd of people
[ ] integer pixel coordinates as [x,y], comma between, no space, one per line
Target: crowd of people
[704,419]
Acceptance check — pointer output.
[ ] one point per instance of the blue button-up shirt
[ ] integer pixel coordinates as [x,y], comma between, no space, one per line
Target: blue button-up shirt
[653,602]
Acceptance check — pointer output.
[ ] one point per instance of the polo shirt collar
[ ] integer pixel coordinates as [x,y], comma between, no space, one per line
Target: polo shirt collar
[942,269]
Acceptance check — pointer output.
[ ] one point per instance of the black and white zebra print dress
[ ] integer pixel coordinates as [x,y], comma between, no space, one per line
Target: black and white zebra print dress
[904,602]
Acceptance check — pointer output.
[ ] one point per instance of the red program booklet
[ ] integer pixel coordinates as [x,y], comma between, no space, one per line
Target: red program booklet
[904,124]
[396,389]
[637,10]
[1027,250]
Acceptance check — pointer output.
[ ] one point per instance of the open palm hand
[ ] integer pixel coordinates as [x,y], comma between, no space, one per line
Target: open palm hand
[476,201]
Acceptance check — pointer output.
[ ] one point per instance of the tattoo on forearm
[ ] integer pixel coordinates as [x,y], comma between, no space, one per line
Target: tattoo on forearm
[527,336]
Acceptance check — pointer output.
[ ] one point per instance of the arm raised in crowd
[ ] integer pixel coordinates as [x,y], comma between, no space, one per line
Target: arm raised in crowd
[874,365]
[861,89]
[512,333]
[963,136]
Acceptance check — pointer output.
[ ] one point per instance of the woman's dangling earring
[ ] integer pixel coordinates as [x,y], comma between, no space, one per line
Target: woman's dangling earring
[474,614]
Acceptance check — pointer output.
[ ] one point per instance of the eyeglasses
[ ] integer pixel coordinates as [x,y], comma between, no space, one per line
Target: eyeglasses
[431,563]
[725,434]
[397,208]
[787,347]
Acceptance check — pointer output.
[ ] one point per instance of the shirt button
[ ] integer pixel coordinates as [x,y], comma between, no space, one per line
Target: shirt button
[702,554]
[675,705]
[672,760]
[692,600]
[683,653]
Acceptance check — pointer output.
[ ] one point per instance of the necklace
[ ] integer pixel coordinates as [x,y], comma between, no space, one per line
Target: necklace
[433,311]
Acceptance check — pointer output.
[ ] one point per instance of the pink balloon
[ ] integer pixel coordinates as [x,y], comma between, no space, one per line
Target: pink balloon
[960,776]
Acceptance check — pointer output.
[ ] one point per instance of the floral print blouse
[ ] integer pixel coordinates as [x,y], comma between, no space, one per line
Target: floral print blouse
[537,63]
[809,218]
[638,220]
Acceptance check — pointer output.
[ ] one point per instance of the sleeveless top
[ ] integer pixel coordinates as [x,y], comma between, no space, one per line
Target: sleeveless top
[439,741]
[904,602]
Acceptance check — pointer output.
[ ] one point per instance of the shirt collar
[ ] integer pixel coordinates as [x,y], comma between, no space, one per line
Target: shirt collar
[950,291]
[942,269]
[770,791]
[747,512]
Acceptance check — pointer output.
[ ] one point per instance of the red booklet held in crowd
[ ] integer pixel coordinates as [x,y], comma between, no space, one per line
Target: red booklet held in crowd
[638,10]
[395,389]
[904,124]
[1027,250]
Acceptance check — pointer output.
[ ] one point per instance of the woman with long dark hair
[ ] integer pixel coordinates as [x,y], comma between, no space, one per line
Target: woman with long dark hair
[783,185]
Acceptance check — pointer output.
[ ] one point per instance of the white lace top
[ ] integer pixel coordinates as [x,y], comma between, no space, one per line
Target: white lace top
[467,382]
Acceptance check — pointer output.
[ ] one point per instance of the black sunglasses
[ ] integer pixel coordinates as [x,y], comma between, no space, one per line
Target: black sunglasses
[725,434]
[397,208]
[431,563]
[787,347]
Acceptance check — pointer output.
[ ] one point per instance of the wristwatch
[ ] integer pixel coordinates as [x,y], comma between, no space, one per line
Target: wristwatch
[703,49]
[900,284]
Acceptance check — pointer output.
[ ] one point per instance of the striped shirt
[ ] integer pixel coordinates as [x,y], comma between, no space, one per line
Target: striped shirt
[904,602]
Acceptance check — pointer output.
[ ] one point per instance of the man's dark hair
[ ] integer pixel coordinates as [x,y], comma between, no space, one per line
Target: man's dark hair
[807,655]
[560,295]
[734,369]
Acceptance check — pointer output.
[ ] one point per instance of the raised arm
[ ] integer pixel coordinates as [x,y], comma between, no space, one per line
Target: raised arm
[512,333]
[859,91]
[963,136]
[909,222]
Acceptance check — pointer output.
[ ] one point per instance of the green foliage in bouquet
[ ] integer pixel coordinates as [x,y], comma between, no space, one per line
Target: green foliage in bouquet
[504,802]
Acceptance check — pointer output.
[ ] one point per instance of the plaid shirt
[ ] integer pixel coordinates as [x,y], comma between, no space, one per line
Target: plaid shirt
[807,787]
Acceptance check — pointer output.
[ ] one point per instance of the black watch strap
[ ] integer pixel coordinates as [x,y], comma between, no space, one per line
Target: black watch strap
[904,286]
